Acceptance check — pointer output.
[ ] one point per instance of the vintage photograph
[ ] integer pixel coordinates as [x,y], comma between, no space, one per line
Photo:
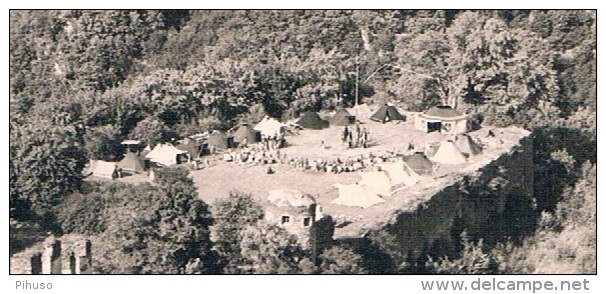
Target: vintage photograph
[412,142]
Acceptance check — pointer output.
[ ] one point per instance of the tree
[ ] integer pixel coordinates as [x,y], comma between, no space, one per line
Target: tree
[340,261]
[232,215]
[82,213]
[158,229]
[46,164]
[473,260]
[151,131]
[480,63]
[269,249]
[103,143]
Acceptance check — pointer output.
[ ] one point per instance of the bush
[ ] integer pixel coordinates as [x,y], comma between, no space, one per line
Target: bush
[83,214]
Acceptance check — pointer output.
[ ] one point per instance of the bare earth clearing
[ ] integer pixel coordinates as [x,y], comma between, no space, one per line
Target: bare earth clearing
[222,177]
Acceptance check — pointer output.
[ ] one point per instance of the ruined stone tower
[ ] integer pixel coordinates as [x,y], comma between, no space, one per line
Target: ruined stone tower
[294,211]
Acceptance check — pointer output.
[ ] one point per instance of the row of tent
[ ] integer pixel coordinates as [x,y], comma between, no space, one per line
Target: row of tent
[131,163]
[386,113]
[167,154]
[373,186]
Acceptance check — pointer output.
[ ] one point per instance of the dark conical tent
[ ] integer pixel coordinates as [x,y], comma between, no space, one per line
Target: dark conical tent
[192,147]
[311,120]
[219,140]
[419,164]
[342,118]
[246,131]
[467,146]
[387,113]
[132,162]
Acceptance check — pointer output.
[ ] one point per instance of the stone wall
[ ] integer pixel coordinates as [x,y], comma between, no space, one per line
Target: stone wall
[495,201]
[69,255]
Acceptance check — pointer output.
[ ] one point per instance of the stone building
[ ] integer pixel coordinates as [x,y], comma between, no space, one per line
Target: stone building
[294,211]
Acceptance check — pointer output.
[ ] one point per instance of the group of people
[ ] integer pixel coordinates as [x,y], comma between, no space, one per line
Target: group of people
[355,136]
[272,142]
[329,166]
[255,155]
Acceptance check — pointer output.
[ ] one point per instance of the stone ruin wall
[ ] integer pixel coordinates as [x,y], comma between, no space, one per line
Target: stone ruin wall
[54,256]
[477,199]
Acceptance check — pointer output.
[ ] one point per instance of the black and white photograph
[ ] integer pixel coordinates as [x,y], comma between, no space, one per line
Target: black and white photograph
[286,142]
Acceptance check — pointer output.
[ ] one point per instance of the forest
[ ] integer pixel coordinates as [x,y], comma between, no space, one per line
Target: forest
[82,81]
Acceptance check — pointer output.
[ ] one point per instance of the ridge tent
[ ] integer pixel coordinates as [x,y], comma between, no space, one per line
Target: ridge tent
[377,182]
[104,169]
[312,120]
[448,153]
[342,118]
[467,146]
[246,131]
[444,119]
[219,140]
[131,162]
[419,163]
[387,113]
[400,174]
[356,195]
[167,155]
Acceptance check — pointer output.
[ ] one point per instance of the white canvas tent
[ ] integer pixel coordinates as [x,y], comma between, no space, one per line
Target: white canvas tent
[448,153]
[104,169]
[356,195]
[269,127]
[165,154]
[377,183]
[400,174]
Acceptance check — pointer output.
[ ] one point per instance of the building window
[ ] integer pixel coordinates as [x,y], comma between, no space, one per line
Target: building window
[447,127]
[285,219]
[306,222]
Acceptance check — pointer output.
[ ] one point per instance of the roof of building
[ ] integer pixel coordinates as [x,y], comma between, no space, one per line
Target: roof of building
[443,111]
[290,197]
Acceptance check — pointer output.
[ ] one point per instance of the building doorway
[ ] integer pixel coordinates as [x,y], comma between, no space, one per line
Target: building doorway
[434,126]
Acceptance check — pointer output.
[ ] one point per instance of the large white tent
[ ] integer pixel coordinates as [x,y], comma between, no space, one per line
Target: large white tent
[356,195]
[377,182]
[448,153]
[269,127]
[165,154]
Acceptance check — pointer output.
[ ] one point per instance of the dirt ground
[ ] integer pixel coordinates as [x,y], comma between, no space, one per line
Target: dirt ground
[218,180]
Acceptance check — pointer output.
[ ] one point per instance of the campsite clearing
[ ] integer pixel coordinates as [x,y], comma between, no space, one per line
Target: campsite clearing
[222,178]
